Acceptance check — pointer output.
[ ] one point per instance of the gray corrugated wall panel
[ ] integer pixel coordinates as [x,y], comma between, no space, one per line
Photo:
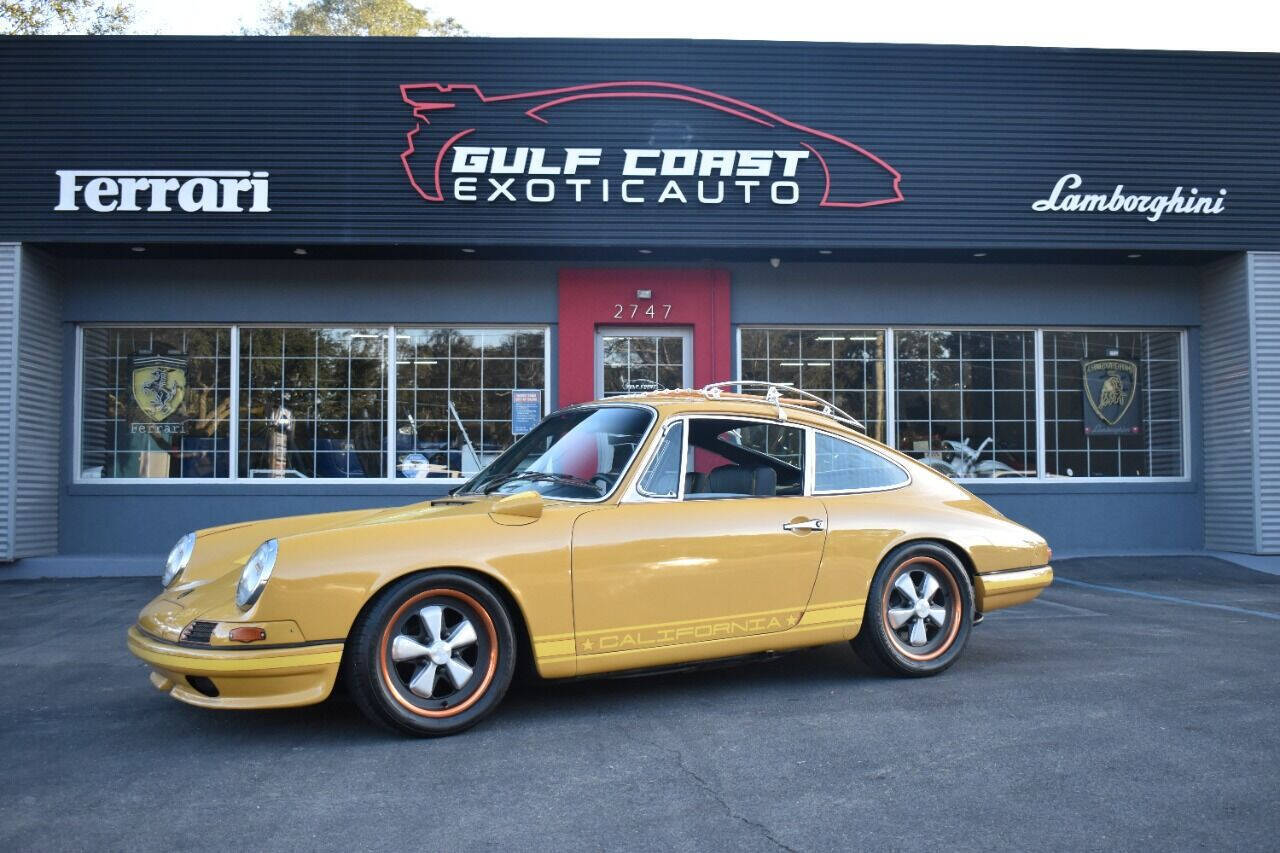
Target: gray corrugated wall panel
[37,438]
[9,254]
[1265,274]
[1227,399]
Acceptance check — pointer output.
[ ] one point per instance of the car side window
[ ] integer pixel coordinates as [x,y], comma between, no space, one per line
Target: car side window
[743,458]
[662,478]
[841,466]
[783,443]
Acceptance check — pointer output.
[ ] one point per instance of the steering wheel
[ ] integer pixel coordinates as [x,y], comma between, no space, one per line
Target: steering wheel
[603,482]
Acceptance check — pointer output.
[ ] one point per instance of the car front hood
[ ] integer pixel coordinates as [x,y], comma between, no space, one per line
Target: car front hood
[225,549]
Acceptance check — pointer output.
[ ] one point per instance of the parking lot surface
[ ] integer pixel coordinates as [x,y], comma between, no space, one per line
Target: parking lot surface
[1136,704]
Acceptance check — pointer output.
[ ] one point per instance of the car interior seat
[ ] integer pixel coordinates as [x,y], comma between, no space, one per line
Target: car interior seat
[760,481]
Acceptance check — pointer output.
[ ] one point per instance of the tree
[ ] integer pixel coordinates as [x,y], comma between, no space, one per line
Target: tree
[64,17]
[357,18]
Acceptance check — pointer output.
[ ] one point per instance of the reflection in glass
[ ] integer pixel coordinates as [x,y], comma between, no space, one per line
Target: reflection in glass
[662,478]
[638,363]
[845,366]
[578,454]
[454,395]
[841,466]
[966,400]
[312,403]
[1156,451]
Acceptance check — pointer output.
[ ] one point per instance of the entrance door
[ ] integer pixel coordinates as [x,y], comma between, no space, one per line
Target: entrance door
[631,359]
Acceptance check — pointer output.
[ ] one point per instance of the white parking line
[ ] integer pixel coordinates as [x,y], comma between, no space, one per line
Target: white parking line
[1036,608]
[1168,598]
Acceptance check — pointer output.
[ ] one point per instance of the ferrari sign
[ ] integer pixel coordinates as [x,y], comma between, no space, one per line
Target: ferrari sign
[158,388]
[1110,395]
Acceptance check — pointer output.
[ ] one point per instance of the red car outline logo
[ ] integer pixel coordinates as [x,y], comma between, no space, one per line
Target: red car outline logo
[425,98]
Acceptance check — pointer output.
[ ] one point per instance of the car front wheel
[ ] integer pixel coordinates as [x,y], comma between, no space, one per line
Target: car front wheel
[432,656]
[918,614]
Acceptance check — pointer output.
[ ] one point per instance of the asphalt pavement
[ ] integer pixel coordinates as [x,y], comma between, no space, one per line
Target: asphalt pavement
[1135,705]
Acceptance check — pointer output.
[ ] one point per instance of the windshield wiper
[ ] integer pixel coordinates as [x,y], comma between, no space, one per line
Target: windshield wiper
[535,476]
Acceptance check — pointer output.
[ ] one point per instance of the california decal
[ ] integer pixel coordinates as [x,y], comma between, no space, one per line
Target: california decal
[158,388]
[1110,392]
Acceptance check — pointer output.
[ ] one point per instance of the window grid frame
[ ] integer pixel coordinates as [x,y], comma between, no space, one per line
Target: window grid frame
[886,346]
[403,332]
[1025,362]
[1039,331]
[77,433]
[1182,389]
[315,390]
[233,329]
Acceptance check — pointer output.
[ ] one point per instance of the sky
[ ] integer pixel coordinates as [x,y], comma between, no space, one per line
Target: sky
[1221,25]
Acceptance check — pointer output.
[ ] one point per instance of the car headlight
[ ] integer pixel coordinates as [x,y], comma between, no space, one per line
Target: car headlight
[256,574]
[178,559]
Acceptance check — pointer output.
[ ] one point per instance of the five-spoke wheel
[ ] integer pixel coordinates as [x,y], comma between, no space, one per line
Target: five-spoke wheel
[433,655]
[435,650]
[918,613]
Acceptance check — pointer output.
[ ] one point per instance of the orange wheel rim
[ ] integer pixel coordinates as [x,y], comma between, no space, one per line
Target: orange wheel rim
[436,652]
[911,616]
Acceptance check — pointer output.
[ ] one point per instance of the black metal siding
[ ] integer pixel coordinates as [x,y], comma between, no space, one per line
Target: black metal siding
[978,134]
[1229,392]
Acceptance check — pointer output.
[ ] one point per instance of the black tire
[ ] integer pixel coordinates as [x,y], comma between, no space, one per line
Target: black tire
[889,645]
[408,654]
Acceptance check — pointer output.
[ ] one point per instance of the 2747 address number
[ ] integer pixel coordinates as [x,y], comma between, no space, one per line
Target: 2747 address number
[651,311]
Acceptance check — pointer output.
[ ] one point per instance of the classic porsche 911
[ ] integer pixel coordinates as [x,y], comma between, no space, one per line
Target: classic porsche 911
[638,532]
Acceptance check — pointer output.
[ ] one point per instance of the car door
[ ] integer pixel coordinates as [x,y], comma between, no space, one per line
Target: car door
[669,566]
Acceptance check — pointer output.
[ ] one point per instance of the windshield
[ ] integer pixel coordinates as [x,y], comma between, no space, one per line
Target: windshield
[578,454]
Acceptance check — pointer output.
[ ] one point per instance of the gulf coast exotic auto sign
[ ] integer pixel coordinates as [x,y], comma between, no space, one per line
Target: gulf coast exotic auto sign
[544,147]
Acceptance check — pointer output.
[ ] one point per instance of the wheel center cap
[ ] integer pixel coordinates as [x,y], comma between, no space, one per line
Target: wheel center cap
[439,653]
[922,608]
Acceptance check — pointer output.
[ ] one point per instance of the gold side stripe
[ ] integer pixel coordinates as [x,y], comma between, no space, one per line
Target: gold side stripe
[183,663]
[785,611]
[832,604]
[551,648]
[557,659]
[828,615]
[798,629]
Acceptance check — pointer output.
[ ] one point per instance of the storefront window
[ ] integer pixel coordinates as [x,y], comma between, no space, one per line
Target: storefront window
[966,400]
[312,402]
[155,403]
[1113,404]
[464,395]
[845,366]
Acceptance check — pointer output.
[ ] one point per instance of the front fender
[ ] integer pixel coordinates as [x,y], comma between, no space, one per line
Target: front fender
[324,578]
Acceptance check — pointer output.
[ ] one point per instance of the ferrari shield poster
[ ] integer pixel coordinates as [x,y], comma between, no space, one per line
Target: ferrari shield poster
[157,391]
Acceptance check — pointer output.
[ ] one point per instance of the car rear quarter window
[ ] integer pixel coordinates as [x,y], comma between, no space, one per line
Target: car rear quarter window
[842,466]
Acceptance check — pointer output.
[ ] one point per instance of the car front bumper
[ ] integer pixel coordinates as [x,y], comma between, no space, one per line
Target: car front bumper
[280,677]
[998,590]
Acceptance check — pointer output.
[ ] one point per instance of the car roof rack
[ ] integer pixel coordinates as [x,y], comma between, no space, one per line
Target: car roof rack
[773,394]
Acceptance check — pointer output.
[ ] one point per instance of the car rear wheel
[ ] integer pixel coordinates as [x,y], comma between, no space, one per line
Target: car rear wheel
[432,656]
[918,614]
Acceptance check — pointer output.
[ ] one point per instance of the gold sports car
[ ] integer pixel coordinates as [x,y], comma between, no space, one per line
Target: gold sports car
[637,532]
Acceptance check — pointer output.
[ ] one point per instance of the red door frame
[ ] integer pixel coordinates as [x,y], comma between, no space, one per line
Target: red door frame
[590,297]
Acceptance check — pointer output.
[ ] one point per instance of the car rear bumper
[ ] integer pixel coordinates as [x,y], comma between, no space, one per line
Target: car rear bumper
[1005,589]
[249,678]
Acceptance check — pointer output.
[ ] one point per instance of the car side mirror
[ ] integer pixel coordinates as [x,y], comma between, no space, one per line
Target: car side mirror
[520,508]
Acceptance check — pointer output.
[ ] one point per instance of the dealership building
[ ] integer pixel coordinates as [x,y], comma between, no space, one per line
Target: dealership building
[246,277]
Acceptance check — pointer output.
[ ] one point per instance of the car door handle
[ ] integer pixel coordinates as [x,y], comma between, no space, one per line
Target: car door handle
[807,524]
